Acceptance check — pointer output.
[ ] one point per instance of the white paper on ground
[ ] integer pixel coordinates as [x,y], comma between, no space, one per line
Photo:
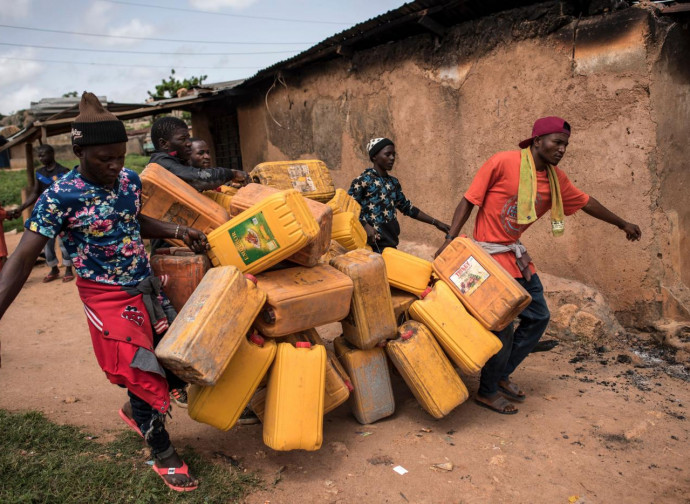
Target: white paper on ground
[400,470]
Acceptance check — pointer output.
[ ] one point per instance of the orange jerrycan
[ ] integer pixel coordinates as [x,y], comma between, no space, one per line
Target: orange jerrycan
[488,292]
[335,249]
[308,176]
[343,202]
[300,298]
[405,271]
[184,269]
[264,234]
[468,343]
[293,418]
[371,318]
[372,395]
[168,198]
[401,304]
[426,369]
[209,328]
[222,404]
[338,384]
[221,198]
[309,255]
[348,231]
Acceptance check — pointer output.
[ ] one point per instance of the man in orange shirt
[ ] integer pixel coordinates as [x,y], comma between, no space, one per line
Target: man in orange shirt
[506,209]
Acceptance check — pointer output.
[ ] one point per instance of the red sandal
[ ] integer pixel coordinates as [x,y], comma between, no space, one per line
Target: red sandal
[130,422]
[171,471]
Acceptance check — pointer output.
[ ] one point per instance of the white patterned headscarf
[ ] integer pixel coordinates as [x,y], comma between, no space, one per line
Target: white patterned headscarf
[376,144]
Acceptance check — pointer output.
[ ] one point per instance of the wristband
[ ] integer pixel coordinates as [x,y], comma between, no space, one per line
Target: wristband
[177,230]
[450,237]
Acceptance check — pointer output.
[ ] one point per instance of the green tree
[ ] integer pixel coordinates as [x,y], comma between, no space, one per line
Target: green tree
[168,88]
[71,94]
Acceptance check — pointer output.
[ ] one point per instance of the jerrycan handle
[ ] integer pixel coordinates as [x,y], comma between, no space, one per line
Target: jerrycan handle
[256,338]
[302,344]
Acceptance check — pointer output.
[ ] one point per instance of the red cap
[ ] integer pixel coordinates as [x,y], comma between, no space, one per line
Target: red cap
[257,339]
[250,277]
[407,334]
[546,126]
[349,386]
[302,344]
[425,293]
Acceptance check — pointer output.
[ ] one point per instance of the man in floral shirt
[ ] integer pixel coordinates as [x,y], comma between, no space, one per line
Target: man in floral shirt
[95,208]
[380,194]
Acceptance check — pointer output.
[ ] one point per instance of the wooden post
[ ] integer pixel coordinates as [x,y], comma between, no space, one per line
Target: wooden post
[29,155]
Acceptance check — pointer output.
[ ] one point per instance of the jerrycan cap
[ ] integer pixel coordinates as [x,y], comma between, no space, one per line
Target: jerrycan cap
[257,339]
[407,334]
[250,277]
[425,293]
[302,344]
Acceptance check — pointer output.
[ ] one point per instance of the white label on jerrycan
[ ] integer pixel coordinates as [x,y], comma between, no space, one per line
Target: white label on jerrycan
[301,180]
[469,276]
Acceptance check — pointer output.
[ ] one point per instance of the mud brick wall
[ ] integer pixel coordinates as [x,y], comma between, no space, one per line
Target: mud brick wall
[622,80]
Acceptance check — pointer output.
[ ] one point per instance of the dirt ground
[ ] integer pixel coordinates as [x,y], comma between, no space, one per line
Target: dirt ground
[599,426]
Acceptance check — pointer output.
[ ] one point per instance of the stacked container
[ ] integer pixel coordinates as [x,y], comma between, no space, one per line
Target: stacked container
[308,176]
[211,325]
[406,272]
[293,418]
[308,255]
[488,292]
[168,198]
[343,202]
[264,234]
[348,231]
[184,270]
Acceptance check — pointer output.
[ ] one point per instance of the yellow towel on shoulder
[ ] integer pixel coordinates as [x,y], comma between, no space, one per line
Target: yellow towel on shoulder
[527,194]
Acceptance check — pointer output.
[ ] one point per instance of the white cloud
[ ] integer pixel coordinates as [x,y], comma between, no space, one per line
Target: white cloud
[99,17]
[19,70]
[14,9]
[13,99]
[216,5]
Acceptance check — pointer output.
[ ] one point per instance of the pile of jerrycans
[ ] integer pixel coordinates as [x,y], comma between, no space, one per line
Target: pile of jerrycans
[287,255]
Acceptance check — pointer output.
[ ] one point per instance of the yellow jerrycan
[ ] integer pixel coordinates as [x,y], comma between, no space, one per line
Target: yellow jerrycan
[300,298]
[264,234]
[209,328]
[371,318]
[338,384]
[308,176]
[222,404]
[488,292]
[348,231]
[184,270]
[168,198]
[468,343]
[426,369]
[372,394]
[343,202]
[309,255]
[221,198]
[405,271]
[293,418]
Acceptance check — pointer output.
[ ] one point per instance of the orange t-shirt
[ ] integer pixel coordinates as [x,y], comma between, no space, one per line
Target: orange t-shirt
[495,188]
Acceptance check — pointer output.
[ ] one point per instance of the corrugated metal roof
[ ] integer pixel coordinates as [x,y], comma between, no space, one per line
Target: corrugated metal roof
[393,25]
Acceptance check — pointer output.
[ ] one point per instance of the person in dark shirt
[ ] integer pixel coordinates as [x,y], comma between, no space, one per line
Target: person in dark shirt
[380,195]
[50,172]
[170,137]
[201,154]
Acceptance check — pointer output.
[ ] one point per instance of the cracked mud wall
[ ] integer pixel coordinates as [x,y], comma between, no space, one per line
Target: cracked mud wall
[449,104]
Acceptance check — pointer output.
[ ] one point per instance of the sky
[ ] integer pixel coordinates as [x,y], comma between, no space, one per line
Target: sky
[47,47]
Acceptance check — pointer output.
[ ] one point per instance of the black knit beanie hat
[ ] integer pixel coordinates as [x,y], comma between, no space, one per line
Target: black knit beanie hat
[96,126]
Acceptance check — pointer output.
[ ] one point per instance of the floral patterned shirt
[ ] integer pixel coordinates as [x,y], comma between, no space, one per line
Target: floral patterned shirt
[98,226]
